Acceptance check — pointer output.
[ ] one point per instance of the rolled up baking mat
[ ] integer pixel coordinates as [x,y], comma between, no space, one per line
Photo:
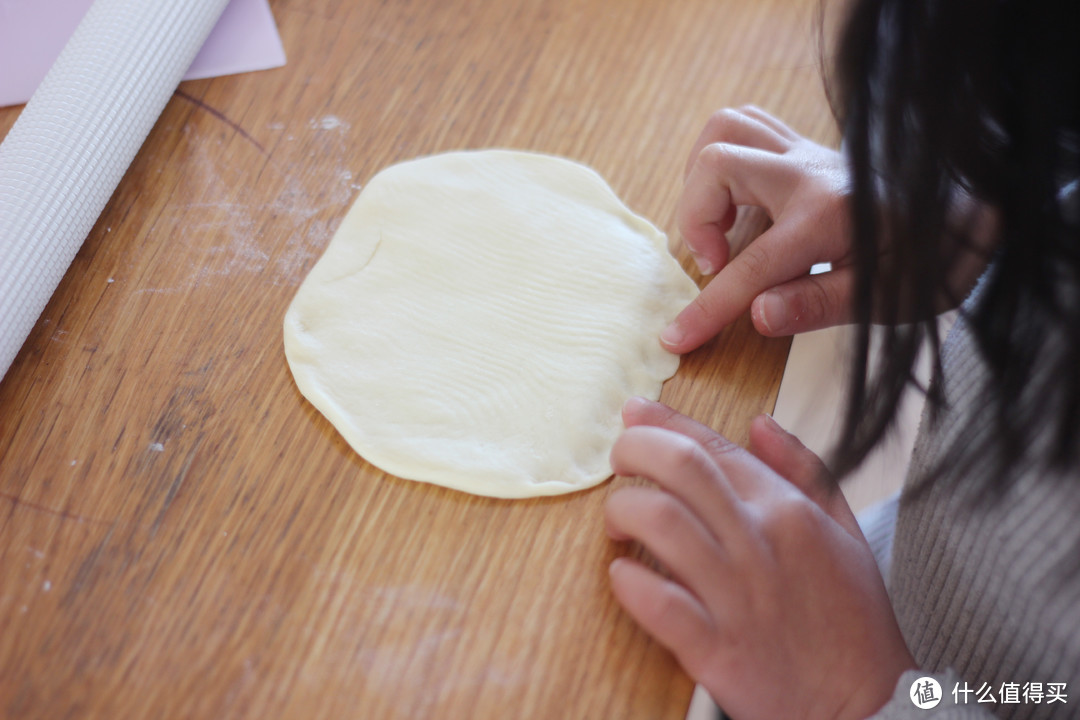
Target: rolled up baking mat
[74,140]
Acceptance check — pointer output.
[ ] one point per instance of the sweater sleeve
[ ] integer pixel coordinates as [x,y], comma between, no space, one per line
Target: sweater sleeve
[958,701]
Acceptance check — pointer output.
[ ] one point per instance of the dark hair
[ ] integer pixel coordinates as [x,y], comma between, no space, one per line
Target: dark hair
[941,101]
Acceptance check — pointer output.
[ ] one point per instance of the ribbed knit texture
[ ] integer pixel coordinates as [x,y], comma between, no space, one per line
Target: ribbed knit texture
[985,592]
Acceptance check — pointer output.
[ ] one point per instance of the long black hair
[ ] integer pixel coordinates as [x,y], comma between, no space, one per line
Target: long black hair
[953,104]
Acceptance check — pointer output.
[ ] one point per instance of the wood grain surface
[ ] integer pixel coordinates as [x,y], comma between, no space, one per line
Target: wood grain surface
[183,536]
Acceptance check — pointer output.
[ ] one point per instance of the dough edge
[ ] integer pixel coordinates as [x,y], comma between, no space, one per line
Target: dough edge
[660,365]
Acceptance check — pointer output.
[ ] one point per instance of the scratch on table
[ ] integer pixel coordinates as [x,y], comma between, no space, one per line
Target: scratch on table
[202,105]
[17,502]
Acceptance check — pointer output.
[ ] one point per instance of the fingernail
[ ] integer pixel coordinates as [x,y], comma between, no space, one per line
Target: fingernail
[704,265]
[773,311]
[672,334]
[771,422]
[635,403]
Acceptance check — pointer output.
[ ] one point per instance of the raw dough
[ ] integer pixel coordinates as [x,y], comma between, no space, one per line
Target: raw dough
[479,319]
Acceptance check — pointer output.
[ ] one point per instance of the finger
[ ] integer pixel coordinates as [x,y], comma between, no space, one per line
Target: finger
[669,531]
[666,611]
[640,411]
[723,177]
[805,304]
[770,260]
[785,454]
[789,458]
[737,127]
[770,121]
[681,466]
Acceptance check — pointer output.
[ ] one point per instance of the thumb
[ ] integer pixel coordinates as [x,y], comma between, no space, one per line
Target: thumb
[799,465]
[808,303]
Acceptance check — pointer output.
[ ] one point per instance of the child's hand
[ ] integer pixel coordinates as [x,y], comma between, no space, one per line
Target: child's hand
[774,602]
[747,157]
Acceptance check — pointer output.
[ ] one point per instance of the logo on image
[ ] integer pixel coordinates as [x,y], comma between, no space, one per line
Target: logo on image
[925,693]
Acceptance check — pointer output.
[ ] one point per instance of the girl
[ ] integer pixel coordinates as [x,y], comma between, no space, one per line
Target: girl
[958,184]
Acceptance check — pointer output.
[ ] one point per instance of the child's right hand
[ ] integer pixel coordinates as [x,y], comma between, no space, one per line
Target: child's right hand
[748,157]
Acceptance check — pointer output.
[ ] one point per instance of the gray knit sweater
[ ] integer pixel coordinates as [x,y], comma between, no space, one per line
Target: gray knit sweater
[987,594]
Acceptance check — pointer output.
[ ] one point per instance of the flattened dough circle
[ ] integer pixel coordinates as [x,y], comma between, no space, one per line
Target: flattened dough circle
[479,319]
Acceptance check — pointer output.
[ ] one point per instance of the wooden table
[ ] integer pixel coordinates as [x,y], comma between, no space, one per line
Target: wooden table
[182,535]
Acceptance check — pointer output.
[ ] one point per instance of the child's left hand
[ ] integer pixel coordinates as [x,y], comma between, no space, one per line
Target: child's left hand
[774,602]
